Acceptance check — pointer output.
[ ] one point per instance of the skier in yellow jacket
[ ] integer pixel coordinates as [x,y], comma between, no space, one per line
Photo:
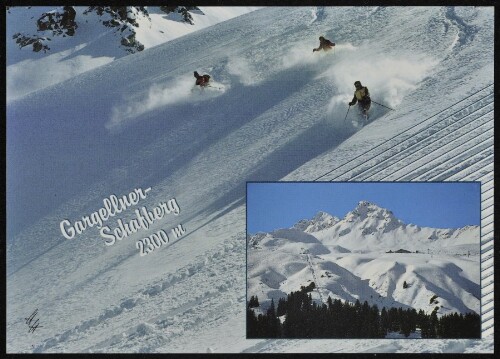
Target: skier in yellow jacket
[361,96]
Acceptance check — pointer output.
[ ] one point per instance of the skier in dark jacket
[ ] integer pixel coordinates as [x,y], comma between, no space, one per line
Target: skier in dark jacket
[362,96]
[324,44]
[201,80]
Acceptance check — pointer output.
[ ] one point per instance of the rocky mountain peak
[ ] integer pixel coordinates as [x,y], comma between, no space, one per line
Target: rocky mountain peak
[366,209]
[64,21]
[320,221]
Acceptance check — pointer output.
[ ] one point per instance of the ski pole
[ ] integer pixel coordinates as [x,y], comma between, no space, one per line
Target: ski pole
[347,112]
[383,105]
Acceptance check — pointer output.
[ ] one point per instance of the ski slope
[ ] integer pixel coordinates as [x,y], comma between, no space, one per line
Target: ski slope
[93,44]
[279,115]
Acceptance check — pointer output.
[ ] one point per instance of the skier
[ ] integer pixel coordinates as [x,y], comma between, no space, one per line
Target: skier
[324,44]
[362,96]
[202,81]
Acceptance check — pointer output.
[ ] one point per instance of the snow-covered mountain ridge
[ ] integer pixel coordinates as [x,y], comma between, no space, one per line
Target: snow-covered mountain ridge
[369,227]
[321,220]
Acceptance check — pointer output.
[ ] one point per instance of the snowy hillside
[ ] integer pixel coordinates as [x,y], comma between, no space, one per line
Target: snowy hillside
[276,112]
[94,41]
[347,259]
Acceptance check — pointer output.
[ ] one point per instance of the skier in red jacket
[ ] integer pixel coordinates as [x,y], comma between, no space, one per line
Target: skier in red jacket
[201,80]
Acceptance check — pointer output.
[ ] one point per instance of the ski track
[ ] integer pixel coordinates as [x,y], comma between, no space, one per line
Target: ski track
[193,310]
[465,32]
[405,150]
[316,281]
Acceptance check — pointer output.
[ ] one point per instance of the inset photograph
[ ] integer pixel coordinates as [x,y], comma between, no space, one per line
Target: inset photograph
[363,260]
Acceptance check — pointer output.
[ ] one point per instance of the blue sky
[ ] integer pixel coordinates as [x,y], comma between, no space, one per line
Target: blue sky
[440,205]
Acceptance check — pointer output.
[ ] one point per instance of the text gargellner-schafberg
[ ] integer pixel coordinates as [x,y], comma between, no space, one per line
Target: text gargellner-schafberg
[112,206]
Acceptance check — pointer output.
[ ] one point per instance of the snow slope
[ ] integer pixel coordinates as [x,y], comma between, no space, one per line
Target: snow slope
[134,123]
[93,44]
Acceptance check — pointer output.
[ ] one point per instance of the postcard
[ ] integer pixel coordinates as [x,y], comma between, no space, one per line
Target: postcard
[209,179]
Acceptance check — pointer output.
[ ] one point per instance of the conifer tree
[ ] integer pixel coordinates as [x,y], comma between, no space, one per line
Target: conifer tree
[281,310]
[384,322]
[252,325]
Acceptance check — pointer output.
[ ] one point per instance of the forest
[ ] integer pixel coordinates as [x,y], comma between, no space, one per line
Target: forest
[301,317]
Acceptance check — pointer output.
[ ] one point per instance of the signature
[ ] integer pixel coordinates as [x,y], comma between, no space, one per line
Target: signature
[32,323]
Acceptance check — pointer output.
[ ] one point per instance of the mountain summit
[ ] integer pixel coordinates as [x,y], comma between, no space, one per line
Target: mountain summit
[366,209]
